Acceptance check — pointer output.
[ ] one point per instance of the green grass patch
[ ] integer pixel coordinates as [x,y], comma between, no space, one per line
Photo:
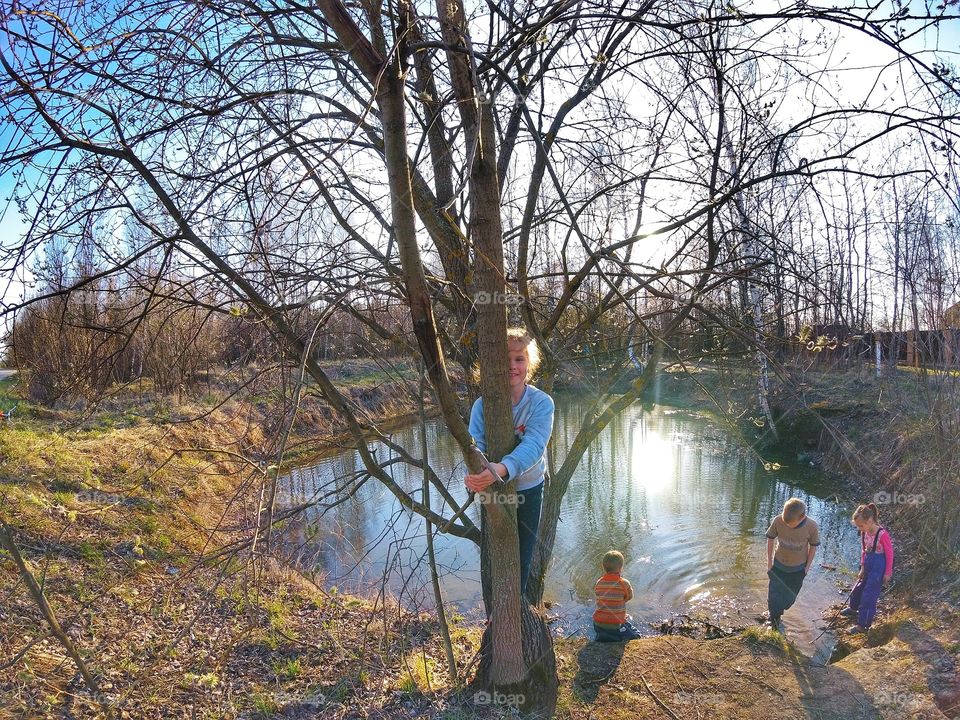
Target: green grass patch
[339,693]
[264,705]
[208,680]
[287,669]
[91,554]
[760,635]
[407,685]
[10,393]
[418,674]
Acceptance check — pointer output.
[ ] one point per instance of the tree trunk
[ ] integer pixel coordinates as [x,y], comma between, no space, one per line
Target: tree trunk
[754,291]
[521,674]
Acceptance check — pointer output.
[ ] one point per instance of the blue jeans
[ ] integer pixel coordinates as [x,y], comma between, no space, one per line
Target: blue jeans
[627,631]
[528,523]
[783,590]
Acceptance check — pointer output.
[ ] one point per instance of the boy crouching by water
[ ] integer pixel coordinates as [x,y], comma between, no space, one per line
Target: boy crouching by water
[610,619]
[796,537]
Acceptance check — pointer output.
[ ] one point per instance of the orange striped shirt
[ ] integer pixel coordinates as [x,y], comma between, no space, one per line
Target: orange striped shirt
[612,591]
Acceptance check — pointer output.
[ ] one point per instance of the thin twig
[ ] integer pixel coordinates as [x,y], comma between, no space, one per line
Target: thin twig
[6,540]
[657,700]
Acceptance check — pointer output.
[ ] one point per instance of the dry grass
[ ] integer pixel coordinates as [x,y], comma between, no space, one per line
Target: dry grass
[114,515]
[121,518]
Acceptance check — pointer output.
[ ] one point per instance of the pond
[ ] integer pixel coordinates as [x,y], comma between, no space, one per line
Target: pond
[685,502]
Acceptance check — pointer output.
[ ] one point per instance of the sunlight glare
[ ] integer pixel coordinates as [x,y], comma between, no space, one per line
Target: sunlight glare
[654,461]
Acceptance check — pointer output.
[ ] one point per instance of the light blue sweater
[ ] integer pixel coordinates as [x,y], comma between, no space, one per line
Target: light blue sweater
[533,423]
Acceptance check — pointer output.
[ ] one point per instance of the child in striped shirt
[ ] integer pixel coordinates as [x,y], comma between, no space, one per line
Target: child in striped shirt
[610,619]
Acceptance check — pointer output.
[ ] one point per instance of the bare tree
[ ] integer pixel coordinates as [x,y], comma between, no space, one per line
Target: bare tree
[306,158]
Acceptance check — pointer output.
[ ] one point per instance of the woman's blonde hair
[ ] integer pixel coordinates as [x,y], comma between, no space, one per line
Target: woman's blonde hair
[520,336]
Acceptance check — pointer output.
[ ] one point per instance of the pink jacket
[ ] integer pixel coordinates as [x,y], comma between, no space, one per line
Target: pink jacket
[884,544]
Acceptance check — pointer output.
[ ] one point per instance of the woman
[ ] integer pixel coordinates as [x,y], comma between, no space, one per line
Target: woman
[526,463]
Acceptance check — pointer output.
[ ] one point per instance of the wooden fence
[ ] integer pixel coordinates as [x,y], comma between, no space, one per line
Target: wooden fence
[932,349]
[836,346]
[828,346]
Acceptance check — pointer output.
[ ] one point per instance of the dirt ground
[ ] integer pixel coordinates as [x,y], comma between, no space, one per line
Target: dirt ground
[125,531]
[904,669]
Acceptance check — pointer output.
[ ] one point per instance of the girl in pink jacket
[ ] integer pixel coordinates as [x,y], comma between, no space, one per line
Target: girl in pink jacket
[876,567]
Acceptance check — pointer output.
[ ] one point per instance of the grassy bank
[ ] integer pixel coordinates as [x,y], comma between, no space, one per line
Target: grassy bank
[126,515]
[897,438]
[135,518]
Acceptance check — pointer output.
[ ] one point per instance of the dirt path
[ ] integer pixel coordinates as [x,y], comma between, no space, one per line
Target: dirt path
[911,673]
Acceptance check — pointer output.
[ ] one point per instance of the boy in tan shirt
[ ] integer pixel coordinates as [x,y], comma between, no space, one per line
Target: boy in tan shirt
[796,537]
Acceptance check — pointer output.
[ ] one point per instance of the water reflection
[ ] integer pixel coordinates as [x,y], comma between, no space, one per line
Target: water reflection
[684,502]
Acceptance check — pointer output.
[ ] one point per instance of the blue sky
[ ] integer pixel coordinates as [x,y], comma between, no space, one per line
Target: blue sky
[13,227]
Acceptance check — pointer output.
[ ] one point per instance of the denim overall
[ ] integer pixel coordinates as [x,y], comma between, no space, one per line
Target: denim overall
[866,592]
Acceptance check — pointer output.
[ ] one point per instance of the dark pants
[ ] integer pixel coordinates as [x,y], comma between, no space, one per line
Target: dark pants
[528,523]
[866,592]
[627,631]
[783,590]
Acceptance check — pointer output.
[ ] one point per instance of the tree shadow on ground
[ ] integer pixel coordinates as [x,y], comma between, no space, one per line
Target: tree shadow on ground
[597,663]
[827,691]
[941,671]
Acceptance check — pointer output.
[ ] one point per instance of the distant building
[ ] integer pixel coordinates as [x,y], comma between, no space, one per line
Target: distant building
[951,317]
